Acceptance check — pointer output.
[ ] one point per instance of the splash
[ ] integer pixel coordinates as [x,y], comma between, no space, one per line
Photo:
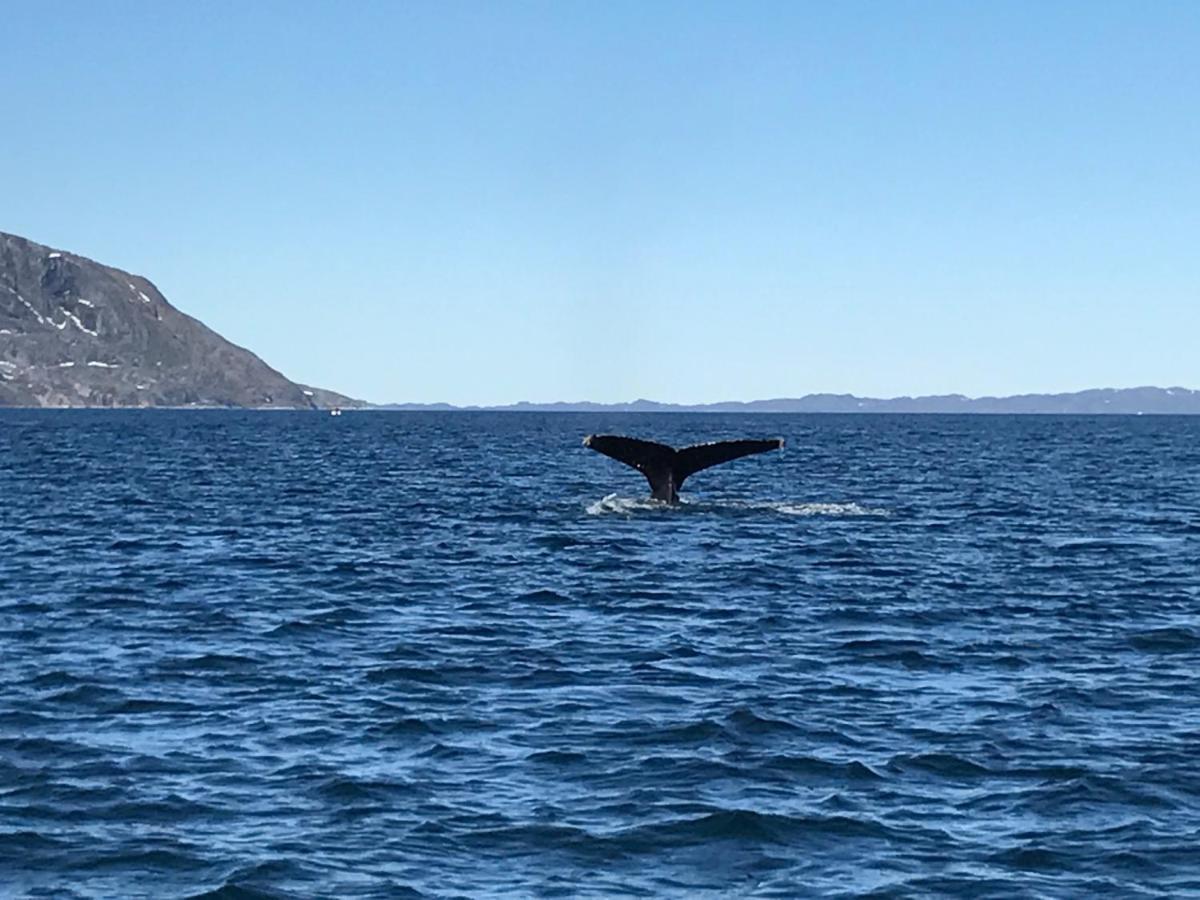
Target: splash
[612,503]
[628,506]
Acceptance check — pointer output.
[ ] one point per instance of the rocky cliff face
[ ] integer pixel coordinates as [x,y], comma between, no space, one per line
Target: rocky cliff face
[77,333]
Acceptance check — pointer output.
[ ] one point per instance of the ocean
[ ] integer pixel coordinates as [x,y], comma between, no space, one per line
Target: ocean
[254,655]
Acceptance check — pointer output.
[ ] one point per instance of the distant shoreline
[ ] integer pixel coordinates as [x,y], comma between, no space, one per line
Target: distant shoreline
[1141,401]
[1100,401]
[1113,414]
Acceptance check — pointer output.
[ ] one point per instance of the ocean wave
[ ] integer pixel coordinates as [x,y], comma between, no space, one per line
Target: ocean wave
[344,790]
[460,681]
[18,845]
[1177,639]
[808,766]
[172,858]
[753,826]
[563,758]
[945,765]
[232,891]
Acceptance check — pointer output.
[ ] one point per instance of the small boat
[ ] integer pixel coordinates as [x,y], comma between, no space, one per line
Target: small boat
[336,411]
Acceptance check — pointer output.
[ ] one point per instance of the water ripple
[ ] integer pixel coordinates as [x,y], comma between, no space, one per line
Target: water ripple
[252,656]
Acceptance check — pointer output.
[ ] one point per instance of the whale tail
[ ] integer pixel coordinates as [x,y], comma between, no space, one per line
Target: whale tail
[665,467]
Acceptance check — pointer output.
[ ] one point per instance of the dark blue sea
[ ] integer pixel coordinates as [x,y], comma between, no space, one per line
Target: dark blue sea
[288,655]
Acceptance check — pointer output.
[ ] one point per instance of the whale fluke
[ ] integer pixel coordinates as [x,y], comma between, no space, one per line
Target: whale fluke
[665,467]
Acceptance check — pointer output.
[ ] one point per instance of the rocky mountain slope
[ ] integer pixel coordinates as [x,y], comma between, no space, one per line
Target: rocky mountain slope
[74,332]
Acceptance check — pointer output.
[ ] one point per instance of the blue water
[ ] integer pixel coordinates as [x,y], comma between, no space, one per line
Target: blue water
[254,655]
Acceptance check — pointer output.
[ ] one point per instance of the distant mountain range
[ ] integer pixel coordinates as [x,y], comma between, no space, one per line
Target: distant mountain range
[1112,401]
[74,332]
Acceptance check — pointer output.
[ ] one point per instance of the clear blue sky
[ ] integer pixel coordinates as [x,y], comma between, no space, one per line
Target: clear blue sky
[488,202]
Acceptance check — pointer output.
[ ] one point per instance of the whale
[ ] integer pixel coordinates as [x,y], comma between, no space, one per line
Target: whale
[665,467]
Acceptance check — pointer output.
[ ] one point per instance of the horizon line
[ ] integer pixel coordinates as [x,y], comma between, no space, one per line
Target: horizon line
[815,395]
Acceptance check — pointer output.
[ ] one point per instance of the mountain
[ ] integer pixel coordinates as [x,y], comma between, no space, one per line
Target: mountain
[1113,401]
[74,332]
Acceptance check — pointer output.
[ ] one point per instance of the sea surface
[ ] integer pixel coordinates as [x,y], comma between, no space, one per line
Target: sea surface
[268,655]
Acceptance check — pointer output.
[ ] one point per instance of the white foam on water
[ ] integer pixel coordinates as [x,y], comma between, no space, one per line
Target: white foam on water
[825,509]
[103,365]
[614,503]
[65,365]
[794,508]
